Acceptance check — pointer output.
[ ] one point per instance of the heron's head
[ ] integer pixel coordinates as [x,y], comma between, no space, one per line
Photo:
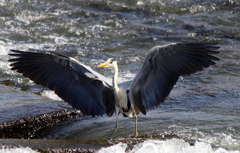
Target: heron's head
[109,63]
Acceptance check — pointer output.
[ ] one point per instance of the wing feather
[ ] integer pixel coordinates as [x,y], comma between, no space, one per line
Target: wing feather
[162,68]
[72,81]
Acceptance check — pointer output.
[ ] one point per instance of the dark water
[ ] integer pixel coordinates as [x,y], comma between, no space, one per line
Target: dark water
[204,106]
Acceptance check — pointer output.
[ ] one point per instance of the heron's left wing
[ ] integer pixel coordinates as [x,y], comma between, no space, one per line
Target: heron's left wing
[162,68]
[71,80]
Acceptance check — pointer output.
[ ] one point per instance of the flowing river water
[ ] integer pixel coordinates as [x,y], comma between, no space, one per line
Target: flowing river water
[204,106]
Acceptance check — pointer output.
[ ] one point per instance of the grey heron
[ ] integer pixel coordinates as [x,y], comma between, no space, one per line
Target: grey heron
[90,92]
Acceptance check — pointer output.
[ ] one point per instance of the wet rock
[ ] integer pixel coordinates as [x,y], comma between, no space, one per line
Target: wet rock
[10,83]
[27,127]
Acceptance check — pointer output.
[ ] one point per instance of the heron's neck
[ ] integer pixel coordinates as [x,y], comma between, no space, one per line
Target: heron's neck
[115,78]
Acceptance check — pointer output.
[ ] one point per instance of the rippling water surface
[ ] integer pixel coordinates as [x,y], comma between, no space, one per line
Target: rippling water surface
[204,106]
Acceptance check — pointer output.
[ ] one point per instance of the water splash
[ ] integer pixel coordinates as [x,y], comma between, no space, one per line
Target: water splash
[50,94]
[168,146]
[17,150]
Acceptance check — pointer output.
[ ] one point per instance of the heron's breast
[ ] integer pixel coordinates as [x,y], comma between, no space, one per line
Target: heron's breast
[121,99]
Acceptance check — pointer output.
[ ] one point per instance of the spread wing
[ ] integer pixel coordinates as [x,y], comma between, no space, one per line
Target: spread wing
[162,68]
[74,82]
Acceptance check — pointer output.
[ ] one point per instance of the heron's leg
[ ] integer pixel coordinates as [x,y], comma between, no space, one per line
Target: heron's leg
[116,126]
[136,125]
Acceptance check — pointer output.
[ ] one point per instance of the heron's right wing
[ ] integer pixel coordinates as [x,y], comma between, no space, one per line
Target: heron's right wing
[162,68]
[74,82]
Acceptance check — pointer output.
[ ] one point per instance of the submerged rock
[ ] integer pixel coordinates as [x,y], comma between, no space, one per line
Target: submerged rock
[76,146]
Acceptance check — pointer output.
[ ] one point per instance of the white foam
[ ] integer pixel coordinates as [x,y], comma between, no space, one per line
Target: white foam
[50,94]
[4,49]
[168,146]
[17,150]
[4,66]
[118,148]
[225,140]
[222,139]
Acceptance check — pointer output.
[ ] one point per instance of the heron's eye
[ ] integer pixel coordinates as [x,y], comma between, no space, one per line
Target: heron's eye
[111,60]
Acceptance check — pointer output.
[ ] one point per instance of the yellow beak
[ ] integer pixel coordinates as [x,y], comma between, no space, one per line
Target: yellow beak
[104,64]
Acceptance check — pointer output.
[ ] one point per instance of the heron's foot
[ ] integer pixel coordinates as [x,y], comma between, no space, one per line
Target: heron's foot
[111,137]
[135,135]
